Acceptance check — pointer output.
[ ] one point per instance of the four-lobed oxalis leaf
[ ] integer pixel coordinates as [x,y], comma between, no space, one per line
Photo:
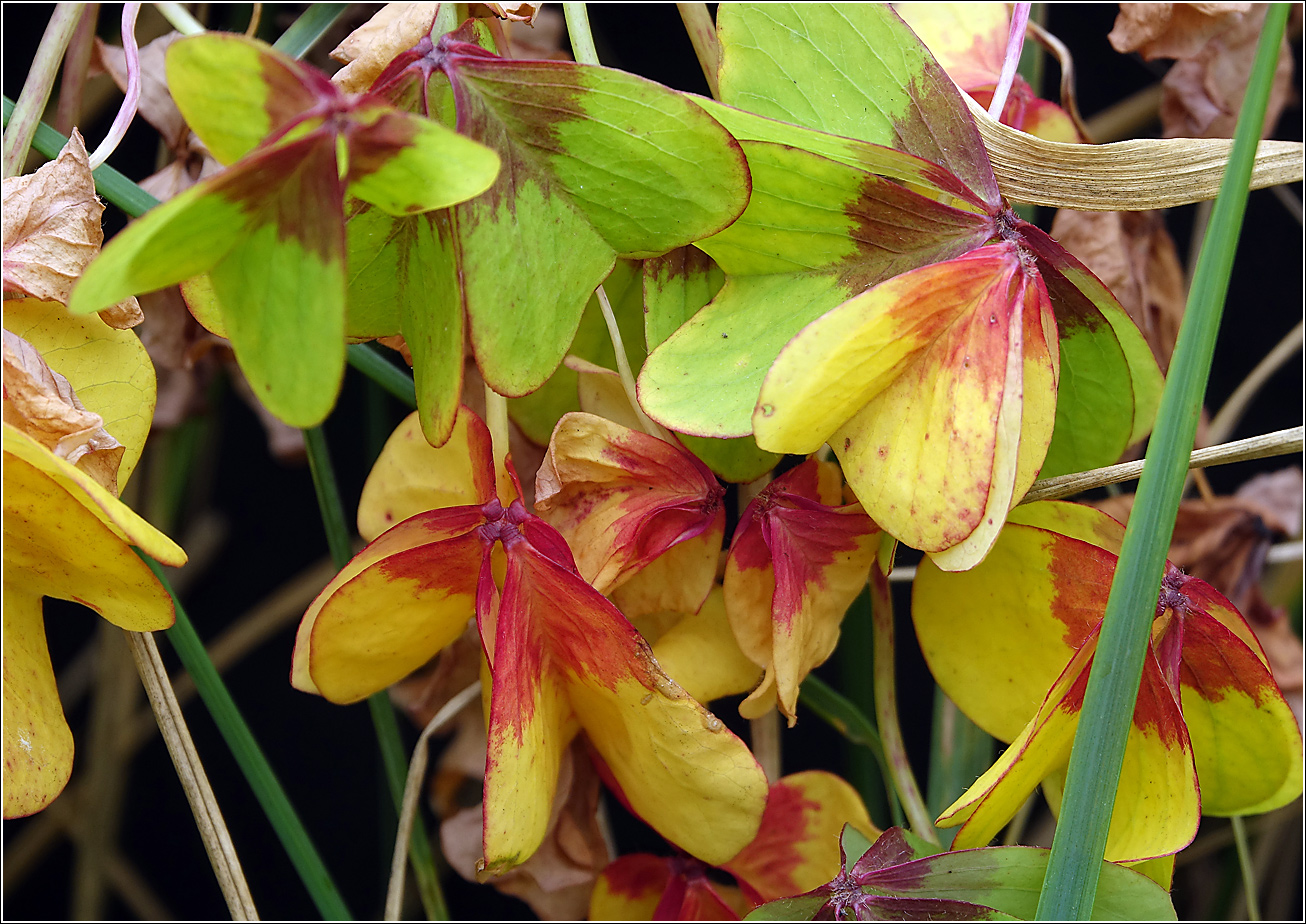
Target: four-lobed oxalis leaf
[598,164]
[269,231]
[901,878]
[562,659]
[951,417]
[1012,640]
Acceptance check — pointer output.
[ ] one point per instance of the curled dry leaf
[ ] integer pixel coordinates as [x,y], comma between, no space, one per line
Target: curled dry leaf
[515,12]
[556,881]
[41,403]
[1171,30]
[156,105]
[368,49]
[52,231]
[1214,44]
[1133,253]
[51,225]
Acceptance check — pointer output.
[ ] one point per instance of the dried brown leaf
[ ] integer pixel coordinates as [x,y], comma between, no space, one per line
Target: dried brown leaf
[1133,253]
[557,880]
[41,403]
[368,49]
[514,12]
[51,226]
[1170,30]
[1203,92]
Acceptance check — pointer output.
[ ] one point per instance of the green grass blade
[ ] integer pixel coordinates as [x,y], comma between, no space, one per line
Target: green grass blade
[368,360]
[393,755]
[309,28]
[1095,761]
[109,183]
[240,741]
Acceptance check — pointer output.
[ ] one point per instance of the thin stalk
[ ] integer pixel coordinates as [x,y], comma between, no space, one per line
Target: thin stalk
[702,34]
[180,18]
[1278,443]
[886,709]
[131,99]
[764,737]
[578,33]
[496,421]
[1245,867]
[36,89]
[383,720]
[368,360]
[109,183]
[1015,42]
[305,32]
[208,817]
[76,62]
[848,719]
[253,763]
[412,791]
[255,17]
[1070,885]
[1231,411]
[623,367]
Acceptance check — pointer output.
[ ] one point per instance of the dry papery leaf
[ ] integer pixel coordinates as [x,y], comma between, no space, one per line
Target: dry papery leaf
[514,12]
[557,880]
[185,356]
[1170,30]
[371,47]
[1203,93]
[1224,542]
[51,225]
[51,232]
[1133,253]
[1144,173]
[41,403]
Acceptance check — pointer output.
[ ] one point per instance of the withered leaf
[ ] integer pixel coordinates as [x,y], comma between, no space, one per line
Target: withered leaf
[368,49]
[41,403]
[1170,30]
[51,226]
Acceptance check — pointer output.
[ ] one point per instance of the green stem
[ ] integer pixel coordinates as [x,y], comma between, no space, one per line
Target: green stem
[36,89]
[180,18]
[383,718]
[578,33]
[1245,866]
[886,708]
[1095,761]
[249,756]
[305,32]
[959,752]
[368,360]
[109,183]
[845,717]
[702,35]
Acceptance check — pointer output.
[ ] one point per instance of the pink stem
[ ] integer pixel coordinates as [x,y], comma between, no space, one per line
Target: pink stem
[128,110]
[1015,43]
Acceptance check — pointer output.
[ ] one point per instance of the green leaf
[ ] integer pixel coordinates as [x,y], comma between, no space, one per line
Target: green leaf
[539,412]
[1110,382]
[405,165]
[815,233]
[1008,879]
[676,286]
[854,70]
[853,843]
[799,908]
[596,163]
[236,91]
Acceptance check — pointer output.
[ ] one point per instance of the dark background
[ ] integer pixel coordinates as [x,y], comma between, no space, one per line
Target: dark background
[269,530]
